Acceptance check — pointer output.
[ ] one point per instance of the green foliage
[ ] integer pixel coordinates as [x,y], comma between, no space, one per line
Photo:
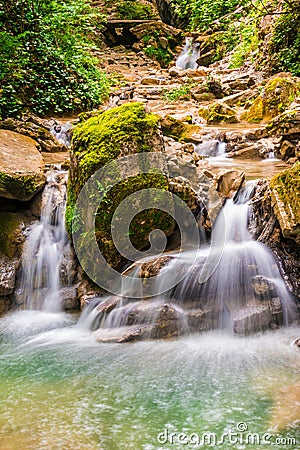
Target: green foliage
[159,53]
[202,13]
[248,43]
[45,63]
[284,47]
[133,10]
[181,93]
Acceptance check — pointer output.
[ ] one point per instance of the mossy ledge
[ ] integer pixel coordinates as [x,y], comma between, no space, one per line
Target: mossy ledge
[286,201]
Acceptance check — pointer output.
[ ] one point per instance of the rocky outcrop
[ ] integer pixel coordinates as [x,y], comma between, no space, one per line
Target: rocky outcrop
[21,166]
[167,12]
[274,223]
[12,236]
[278,93]
[35,128]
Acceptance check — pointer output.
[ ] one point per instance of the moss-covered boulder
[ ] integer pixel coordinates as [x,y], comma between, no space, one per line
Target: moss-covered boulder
[179,130]
[276,96]
[21,166]
[285,193]
[218,112]
[113,134]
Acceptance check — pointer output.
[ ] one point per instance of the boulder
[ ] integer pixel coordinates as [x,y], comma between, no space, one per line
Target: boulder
[252,318]
[35,128]
[287,149]
[21,166]
[228,181]
[115,133]
[8,269]
[276,96]
[265,227]
[12,236]
[218,112]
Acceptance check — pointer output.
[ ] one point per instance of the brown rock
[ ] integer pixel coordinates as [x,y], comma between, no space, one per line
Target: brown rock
[21,166]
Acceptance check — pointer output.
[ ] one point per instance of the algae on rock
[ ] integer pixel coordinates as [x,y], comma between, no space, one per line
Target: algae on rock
[276,96]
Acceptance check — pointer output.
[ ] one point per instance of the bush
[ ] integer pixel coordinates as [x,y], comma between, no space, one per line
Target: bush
[45,63]
[133,10]
[284,47]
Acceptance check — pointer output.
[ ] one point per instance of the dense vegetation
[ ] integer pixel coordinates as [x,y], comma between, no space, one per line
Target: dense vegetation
[45,62]
[235,27]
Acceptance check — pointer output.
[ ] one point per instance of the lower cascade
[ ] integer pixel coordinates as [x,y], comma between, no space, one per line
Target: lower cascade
[45,247]
[232,283]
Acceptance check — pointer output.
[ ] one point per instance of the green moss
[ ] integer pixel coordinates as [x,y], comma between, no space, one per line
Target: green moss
[142,224]
[218,113]
[9,229]
[287,184]
[115,133]
[277,95]
[177,129]
[19,186]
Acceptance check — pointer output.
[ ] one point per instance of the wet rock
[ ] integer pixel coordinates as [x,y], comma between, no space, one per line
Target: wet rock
[21,166]
[278,93]
[251,319]
[228,181]
[287,150]
[263,287]
[69,298]
[87,291]
[8,269]
[218,112]
[249,152]
[265,227]
[150,81]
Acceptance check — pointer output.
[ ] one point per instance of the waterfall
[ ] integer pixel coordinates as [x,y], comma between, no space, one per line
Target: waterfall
[244,291]
[62,132]
[44,248]
[211,148]
[188,58]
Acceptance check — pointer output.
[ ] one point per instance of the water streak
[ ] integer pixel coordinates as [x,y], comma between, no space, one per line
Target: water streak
[44,247]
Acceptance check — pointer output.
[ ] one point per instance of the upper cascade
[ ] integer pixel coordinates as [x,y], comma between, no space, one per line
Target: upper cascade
[189,55]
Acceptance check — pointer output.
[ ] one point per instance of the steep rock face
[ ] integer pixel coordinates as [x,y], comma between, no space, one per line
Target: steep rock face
[166,10]
[12,227]
[21,166]
[35,128]
[270,224]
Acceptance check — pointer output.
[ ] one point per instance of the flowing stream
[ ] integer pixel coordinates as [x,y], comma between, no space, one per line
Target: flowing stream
[60,389]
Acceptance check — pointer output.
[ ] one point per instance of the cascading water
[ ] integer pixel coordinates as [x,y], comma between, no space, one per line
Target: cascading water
[62,132]
[188,58]
[244,292]
[44,248]
[211,148]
